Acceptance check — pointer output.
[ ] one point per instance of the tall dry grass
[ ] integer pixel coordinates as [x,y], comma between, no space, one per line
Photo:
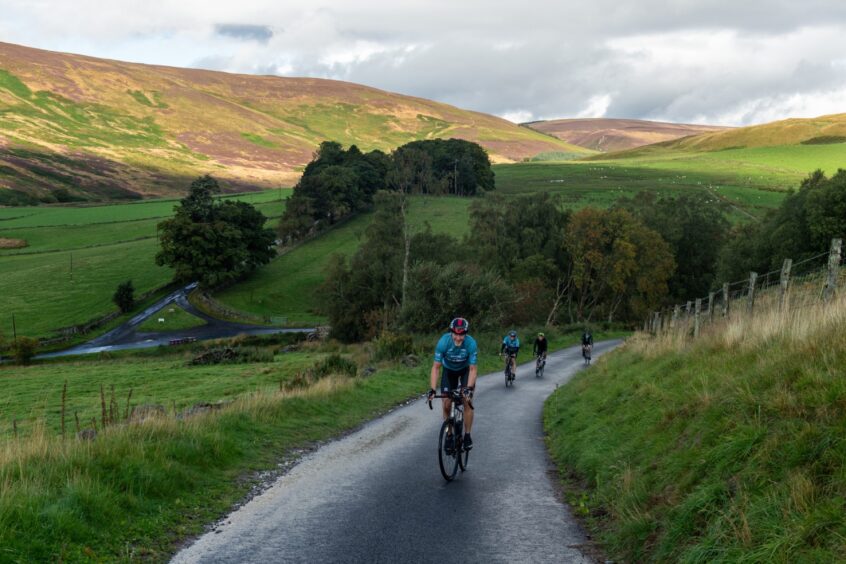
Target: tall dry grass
[805,317]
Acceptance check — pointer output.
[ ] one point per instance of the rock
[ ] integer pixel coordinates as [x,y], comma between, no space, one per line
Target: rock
[203,407]
[87,435]
[141,413]
[411,360]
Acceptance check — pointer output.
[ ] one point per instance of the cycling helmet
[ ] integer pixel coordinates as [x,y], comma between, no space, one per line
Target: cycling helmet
[459,325]
[540,334]
[512,334]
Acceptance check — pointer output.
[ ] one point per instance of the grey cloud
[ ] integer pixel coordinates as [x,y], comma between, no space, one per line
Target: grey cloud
[260,33]
[652,58]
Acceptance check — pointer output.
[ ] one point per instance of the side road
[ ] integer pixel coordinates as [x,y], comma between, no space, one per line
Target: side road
[378,496]
[127,337]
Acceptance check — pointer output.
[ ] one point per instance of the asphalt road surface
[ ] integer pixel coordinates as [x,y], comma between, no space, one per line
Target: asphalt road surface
[377,495]
[127,336]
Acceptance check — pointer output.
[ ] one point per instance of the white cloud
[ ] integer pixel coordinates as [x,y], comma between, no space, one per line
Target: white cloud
[597,106]
[518,116]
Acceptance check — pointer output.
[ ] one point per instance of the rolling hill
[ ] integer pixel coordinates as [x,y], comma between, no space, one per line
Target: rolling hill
[101,129]
[604,134]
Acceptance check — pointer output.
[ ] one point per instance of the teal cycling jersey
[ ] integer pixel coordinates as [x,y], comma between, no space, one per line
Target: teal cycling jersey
[511,344]
[456,357]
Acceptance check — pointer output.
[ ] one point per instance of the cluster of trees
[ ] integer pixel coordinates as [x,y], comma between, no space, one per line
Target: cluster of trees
[526,260]
[801,227]
[338,183]
[214,242]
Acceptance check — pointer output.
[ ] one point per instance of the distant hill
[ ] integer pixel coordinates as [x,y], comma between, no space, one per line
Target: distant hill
[601,134]
[823,130]
[107,129]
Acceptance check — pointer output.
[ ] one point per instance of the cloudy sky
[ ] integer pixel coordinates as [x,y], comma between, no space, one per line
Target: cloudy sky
[728,62]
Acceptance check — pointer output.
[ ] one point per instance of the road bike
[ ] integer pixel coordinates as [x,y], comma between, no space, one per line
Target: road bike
[540,364]
[455,457]
[586,351]
[509,374]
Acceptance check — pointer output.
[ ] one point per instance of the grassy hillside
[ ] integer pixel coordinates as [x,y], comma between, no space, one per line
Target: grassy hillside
[771,156]
[286,286]
[724,449]
[107,129]
[606,134]
[76,256]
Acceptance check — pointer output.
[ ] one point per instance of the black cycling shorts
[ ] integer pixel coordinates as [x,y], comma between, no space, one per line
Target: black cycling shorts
[451,378]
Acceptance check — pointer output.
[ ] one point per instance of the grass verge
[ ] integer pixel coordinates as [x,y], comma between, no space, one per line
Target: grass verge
[725,449]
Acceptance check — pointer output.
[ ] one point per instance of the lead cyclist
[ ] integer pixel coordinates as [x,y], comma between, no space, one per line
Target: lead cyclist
[457,353]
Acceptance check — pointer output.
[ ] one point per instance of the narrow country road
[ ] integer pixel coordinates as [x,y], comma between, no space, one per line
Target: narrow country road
[127,336]
[378,496]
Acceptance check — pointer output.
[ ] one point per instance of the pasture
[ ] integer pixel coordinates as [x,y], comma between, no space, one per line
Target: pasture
[76,257]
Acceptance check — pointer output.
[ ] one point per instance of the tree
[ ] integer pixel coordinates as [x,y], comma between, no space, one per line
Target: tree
[618,263]
[439,293]
[334,185]
[124,296]
[800,228]
[23,350]
[695,227]
[213,243]
[362,298]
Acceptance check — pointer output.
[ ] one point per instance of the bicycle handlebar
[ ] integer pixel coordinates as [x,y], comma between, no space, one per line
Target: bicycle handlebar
[449,396]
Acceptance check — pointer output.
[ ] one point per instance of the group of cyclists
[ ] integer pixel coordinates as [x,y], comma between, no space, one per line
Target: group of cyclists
[455,366]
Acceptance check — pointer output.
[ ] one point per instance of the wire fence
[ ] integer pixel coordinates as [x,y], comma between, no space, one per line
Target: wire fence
[795,286]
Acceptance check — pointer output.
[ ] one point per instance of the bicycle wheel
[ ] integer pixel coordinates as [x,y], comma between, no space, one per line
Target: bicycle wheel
[447,462]
[539,371]
[507,375]
[462,455]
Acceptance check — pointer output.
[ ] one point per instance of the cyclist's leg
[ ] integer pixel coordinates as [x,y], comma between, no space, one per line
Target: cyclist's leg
[449,381]
[468,411]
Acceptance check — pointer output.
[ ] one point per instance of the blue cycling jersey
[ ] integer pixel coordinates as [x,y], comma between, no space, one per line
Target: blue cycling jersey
[511,343]
[456,357]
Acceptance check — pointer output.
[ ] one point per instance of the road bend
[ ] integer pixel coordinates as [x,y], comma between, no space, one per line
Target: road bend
[377,495]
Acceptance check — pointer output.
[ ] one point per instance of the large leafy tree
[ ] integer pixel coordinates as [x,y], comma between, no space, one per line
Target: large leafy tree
[211,242]
[620,266]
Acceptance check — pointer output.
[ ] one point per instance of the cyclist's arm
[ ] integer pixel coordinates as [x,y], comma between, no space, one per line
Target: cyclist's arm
[436,372]
[471,377]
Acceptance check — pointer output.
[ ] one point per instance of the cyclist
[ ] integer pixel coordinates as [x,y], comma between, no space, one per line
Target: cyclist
[511,346]
[457,352]
[540,346]
[587,342]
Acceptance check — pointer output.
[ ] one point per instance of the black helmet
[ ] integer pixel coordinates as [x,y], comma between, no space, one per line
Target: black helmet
[512,334]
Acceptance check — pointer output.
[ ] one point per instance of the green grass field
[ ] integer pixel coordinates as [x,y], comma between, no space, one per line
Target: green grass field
[175,318]
[77,256]
[600,184]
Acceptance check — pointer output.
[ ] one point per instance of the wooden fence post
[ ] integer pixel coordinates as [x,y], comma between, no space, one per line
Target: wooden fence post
[833,268]
[753,278]
[697,311]
[726,298]
[676,312]
[784,282]
[711,307]
[656,319]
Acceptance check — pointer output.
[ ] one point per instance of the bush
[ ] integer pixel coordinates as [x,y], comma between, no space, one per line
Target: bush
[390,346]
[124,296]
[332,365]
[24,349]
[232,355]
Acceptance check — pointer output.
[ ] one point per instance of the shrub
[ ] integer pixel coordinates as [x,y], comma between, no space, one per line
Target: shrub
[24,349]
[390,346]
[124,296]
